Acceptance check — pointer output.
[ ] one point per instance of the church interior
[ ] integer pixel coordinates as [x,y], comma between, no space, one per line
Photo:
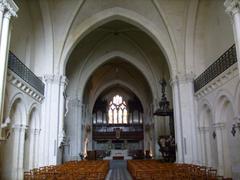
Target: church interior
[120,89]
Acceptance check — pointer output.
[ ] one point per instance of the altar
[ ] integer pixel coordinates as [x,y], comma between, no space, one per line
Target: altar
[118,154]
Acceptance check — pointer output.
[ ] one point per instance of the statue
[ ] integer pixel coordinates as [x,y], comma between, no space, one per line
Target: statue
[167,148]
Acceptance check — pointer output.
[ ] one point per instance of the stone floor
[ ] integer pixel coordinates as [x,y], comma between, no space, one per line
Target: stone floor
[118,171]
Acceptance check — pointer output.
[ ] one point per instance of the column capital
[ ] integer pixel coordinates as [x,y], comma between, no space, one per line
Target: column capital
[75,101]
[232,6]
[56,79]
[64,80]
[219,125]
[10,7]
[33,131]
[182,78]
[204,129]
[7,15]
[2,6]
[37,131]
[19,127]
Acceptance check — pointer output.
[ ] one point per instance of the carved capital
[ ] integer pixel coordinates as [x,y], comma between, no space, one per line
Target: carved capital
[7,15]
[19,127]
[203,129]
[37,131]
[56,79]
[51,78]
[33,131]
[61,138]
[219,125]
[182,78]
[11,7]
[75,101]
[64,80]
[232,6]
[2,7]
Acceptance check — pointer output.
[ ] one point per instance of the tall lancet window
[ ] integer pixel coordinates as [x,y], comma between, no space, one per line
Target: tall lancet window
[117,111]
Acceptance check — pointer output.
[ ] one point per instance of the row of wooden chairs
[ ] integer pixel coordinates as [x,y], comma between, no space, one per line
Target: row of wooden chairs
[72,170]
[154,170]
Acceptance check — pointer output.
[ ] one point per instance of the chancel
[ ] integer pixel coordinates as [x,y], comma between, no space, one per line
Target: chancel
[111,89]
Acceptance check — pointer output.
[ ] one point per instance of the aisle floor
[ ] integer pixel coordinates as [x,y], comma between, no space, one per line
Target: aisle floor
[118,171]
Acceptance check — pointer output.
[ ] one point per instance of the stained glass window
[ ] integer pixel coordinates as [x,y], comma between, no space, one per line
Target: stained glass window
[117,111]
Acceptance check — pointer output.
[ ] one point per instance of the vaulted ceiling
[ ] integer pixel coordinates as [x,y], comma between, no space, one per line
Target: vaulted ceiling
[126,58]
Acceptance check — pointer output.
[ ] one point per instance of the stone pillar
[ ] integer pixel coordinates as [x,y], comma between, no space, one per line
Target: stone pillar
[203,155]
[152,139]
[185,125]
[88,122]
[199,155]
[74,132]
[208,147]
[53,117]
[233,9]
[31,148]
[7,9]
[63,85]
[177,122]
[36,148]
[18,151]
[219,136]
[2,8]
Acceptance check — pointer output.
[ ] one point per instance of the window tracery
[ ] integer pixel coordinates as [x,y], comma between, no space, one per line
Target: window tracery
[117,111]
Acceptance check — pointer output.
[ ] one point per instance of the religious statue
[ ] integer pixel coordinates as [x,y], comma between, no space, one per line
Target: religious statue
[167,148]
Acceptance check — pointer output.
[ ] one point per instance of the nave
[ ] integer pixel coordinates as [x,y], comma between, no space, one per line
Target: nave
[132,79]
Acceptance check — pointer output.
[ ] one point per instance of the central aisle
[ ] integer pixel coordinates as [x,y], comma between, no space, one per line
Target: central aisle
[118,170]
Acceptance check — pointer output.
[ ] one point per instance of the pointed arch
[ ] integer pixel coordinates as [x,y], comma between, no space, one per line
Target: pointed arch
[18,98]
[128,16]
[34,109]
[223,99]
[120,83]
[205,108]
[83,79]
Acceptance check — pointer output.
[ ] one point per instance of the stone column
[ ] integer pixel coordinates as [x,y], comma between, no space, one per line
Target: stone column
[157,153]
[177,122]
[2,8]
[233,9]
[7,9]
[219,136]
[155,132]
[208,147]
[63,85]
[18,151]
[74,132]
[185,125]
[31,149]
[203,155]
[36,148]
[53,117]
[88,122]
